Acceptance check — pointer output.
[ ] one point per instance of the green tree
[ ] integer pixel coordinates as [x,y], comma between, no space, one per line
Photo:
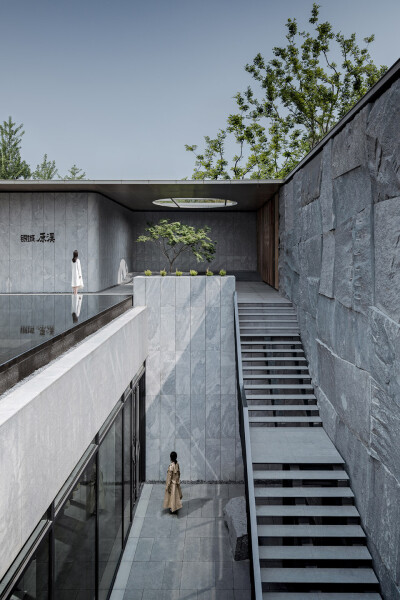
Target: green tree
[11,164]
[302,92]
[75,173]
[46,170]
[174,239]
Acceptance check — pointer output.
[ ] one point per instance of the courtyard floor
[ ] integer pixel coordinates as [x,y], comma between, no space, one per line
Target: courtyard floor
[186,556]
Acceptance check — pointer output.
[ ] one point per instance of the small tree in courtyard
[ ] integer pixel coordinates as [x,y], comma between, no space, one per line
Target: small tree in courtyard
[11,164]
[175,239]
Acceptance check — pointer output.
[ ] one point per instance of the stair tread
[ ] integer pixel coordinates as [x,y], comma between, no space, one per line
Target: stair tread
[276,343]
[323,575]
[276,368]
[324,531]
[283,407]
[303,492]
[314,552]
[345,510]
[281,397]
[300,474]
[269,334]
[277,376]
[274,359]
[322,596]
[280,386]
[284,419]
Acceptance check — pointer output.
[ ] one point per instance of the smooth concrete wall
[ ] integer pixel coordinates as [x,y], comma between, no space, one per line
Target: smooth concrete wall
[191,404]
[339,264]
[48,421]
[234,232]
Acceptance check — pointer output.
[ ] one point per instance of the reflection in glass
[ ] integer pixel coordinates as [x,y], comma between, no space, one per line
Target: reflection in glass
[76,305]
[127,462]
[33,584]
[110,517]
[74,533]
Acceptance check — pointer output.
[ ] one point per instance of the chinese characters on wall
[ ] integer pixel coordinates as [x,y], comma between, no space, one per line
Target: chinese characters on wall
[42,237]
[42,329]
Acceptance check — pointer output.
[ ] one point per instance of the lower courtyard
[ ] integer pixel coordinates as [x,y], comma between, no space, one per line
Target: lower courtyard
[183,556]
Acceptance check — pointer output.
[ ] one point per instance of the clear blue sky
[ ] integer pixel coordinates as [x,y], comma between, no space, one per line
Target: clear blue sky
[118,87]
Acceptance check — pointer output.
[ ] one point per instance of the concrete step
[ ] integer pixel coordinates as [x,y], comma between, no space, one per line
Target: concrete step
[275,359]
[296,343]
[321,596]
[321,575]
[261,420]
[308,552]
[282,335]
[302,492]
[284,407]
[274,326]
[310,531]
[279,386]
[342,511]
[280,397]
[301,474]
[275,368]
[277,376]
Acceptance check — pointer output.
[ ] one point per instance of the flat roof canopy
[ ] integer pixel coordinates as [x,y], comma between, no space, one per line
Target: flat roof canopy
[249,194]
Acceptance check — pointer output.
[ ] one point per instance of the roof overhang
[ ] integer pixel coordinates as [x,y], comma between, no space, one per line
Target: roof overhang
[249,194]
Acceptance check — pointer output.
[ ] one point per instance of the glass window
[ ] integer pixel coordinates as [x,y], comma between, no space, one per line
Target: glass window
[110,505]
[33,584]
[75,535]
[127,462]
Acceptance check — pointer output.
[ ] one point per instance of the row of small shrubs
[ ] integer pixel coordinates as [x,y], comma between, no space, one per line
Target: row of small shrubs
[192,272]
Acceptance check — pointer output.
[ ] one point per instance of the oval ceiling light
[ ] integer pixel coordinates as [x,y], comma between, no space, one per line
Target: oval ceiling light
[194,202]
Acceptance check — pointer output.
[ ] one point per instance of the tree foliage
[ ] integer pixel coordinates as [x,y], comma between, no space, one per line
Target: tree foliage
[11,164]
[75,173]
[301,94]
[45,170]
[175,239]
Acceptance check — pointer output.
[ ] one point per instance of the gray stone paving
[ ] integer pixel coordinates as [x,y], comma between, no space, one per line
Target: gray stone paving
[185,556]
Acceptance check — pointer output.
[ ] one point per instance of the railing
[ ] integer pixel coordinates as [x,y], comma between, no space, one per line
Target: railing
[244,428]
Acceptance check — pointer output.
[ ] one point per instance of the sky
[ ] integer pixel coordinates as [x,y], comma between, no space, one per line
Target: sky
[120,86]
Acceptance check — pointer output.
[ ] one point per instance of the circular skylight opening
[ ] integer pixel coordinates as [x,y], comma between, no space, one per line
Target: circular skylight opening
[194,202]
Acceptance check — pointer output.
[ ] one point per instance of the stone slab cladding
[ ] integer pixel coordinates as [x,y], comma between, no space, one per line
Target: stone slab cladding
[40,230]
[191,377]
[49,420]
[340,265]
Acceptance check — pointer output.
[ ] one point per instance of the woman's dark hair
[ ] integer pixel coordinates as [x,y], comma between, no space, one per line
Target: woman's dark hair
[173,456]
[74,255]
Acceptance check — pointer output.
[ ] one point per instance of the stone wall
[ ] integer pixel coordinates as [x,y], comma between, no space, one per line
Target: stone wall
[105,235]
[97,227]
[191,377]
[339,264]
[49,420]
[234,232]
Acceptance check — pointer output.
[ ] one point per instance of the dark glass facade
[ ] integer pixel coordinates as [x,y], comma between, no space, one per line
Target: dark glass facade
[75,551]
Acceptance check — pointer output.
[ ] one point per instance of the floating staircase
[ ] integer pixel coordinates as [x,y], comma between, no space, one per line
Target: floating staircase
[311,543]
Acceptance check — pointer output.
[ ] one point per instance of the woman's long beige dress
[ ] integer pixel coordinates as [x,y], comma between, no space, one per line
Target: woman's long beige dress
[173,494]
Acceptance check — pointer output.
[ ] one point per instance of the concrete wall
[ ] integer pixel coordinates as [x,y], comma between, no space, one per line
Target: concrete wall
[48,421]
[191,402]
[235,234]
[339,264]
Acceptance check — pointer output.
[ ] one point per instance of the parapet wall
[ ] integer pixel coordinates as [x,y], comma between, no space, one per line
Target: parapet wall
[340,265]
[191,402]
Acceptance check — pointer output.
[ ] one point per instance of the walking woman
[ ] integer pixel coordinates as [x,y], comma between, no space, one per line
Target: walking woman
[77,281]
[173,494]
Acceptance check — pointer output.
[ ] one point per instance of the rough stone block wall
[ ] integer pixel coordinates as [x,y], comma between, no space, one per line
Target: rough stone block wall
[339,264]
[191,402]
[235,234]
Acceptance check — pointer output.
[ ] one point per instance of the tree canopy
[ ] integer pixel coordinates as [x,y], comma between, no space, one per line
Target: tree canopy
[75,173]
[301,94]
[11,164]
[174,239]
[45,170]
